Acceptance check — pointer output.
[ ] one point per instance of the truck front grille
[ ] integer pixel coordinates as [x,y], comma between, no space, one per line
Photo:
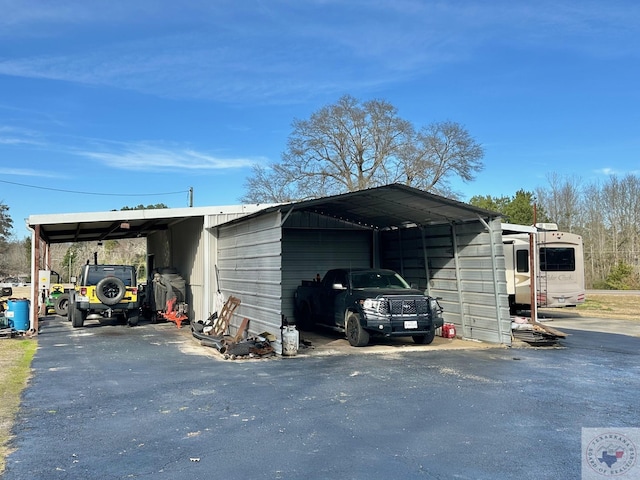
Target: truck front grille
[407,307]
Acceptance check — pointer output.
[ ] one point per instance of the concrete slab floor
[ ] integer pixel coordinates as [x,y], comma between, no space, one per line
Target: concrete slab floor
[329,342]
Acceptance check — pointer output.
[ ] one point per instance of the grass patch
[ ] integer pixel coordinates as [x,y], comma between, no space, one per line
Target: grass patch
[595,305]
[618,306]
[15,370]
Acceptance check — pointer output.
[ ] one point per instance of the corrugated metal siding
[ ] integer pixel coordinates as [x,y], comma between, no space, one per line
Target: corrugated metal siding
[308,252]
[484,300]
[461,270]
[209,305]
[248,259]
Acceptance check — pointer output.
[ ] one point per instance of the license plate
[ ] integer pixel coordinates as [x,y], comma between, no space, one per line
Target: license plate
[411,324]
[82,299]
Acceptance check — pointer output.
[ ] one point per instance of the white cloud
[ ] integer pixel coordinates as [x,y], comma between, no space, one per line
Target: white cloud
[146,157]
[24,172]
[610,172]
[15,136]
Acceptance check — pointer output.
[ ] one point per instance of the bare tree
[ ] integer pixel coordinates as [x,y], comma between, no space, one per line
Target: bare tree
[353,145]
[609,221]
[437,153]
[595,235]
[561,200]
[622,216]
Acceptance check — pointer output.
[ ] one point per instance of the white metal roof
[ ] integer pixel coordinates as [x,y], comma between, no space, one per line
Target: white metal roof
[119,224]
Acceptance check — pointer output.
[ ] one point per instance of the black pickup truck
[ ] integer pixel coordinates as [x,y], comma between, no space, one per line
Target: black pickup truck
[367,302]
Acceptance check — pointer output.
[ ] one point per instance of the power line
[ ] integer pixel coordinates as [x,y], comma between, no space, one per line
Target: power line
[95,193]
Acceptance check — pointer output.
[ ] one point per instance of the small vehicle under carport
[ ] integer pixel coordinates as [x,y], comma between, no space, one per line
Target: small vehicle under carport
[105,291]
[57,301]
[367,302]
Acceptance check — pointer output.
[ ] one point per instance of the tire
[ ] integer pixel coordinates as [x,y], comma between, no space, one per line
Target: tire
[132,319]
[77,316]
[72,301]
[61,305]
[304,321]
[357,336]
[110,290]
[425,339]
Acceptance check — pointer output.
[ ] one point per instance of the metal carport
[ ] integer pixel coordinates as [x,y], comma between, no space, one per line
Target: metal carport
[451,249]
[260,253]
[173,235]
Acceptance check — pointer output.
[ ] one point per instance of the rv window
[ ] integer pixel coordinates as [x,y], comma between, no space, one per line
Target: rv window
[557,259]
[522,261]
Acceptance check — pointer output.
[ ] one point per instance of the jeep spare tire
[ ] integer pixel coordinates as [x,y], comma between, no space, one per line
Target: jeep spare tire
[110,290]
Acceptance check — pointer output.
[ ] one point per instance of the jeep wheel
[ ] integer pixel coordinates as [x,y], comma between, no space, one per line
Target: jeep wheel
[425,339]
[110,290]
[62,305]
[132,319]
[77,316]
[357,336]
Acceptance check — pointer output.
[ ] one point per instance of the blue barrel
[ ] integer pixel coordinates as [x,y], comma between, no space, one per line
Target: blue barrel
[18,314]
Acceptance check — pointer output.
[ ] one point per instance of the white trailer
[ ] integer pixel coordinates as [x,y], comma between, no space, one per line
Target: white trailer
[557,259]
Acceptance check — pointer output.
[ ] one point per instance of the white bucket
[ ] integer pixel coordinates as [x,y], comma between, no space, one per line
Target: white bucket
[290,341]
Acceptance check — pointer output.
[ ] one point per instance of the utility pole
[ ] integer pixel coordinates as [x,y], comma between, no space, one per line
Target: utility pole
[190,196]
[533,262]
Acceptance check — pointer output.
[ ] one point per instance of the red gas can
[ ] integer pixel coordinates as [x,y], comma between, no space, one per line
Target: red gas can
[449,330]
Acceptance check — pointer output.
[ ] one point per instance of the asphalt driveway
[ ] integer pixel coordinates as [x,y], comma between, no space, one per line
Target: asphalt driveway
[111,402]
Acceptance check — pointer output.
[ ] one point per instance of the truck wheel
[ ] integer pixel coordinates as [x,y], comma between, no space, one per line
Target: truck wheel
[110,290]
[425,339]
[62,305]
[77,317]
[357,336]
[303,318]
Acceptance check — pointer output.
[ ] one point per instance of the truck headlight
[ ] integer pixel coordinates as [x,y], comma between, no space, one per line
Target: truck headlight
[375,304]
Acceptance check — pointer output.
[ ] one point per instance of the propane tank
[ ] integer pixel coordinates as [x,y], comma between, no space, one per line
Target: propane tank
[290,340]
[449,330]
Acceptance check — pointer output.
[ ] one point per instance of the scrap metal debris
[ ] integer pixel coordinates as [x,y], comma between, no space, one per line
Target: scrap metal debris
[214,332]
[535,333]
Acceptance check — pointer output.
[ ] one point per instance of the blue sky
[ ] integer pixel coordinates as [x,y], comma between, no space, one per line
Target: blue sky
[108,103]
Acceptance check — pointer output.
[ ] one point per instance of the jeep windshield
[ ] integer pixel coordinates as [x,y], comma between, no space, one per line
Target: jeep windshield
[378,279]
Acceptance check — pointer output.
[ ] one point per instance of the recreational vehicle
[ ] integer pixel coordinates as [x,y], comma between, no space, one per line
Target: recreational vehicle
[558,262]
